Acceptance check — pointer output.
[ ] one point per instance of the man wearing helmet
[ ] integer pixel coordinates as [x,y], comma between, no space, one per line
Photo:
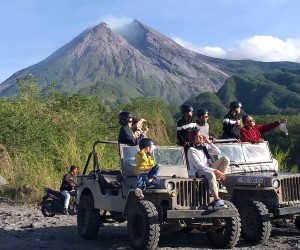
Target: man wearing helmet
[126,135]
[146,168]
[232,122]
[202,123]
[185,124]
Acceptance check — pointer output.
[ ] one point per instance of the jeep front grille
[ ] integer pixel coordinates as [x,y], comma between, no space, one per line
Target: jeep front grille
[290,189]
[192,194]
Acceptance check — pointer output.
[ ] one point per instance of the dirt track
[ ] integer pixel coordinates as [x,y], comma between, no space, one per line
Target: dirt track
[24,227]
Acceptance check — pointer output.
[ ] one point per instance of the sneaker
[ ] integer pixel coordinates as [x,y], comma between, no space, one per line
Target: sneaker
[156,181]
[150,185]
[221,186]
[139,193]
[219,204]
[66,212]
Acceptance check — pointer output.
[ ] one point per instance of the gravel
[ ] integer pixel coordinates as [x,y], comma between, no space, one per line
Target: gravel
[24,227]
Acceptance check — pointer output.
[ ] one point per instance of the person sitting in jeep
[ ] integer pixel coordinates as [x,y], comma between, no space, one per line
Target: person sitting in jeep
[251,132]
[201,163]
[146,168]
[126,135]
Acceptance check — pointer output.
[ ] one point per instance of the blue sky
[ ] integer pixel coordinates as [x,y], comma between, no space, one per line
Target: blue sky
[263,30]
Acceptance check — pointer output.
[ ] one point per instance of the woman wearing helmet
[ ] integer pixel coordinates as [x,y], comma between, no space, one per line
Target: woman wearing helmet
[126,136]
[146,168]
[232,121]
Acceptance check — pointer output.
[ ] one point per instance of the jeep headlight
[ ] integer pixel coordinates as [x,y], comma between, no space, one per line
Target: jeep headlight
[276,183]
[171,186]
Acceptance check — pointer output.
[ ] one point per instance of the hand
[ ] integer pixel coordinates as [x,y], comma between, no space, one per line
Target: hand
[219,175]
[214,140]
[206,140]
[146,130]
[137,134]
[261,140]
[284,120]
[238,122]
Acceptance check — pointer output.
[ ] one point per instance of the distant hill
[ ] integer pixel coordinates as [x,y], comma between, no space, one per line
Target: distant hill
[133,61]
[274,92]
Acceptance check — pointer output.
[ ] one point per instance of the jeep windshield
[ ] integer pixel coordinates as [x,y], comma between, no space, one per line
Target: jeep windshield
[245,153]
[171,159]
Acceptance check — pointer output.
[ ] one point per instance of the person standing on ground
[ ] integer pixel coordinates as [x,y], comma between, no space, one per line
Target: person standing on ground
[232,122]
[67,187]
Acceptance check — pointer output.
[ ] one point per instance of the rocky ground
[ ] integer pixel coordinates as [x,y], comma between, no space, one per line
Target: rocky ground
[24,227]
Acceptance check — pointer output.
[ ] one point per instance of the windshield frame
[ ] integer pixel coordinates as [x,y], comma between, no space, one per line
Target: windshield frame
[262,156]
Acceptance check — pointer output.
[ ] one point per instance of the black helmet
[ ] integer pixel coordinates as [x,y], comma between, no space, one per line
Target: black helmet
[201,112]
[186,108]
[235,104]
[146,142]
[124,117]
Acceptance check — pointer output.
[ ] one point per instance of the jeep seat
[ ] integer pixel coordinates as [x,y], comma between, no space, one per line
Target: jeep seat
[108,181]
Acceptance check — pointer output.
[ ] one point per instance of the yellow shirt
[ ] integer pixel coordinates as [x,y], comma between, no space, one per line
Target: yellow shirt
[143,162]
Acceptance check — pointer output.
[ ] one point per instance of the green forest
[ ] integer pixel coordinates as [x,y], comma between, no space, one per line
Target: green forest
[43,133]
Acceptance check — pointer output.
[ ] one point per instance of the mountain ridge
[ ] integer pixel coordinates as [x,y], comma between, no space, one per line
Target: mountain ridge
[273,92]
[136,60]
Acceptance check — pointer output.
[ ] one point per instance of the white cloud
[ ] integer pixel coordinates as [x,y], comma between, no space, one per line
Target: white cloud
[116,22]
[258,48]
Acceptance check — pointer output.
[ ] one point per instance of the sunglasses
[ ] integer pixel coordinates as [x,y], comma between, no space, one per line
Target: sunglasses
[130,121]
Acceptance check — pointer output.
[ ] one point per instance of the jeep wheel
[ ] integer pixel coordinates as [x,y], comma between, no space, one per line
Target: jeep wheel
[143,225]
[297,223]
[256,225]
[228,235]
[88,218]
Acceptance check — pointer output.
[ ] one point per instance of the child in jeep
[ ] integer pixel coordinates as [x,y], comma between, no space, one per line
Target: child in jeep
[146,168]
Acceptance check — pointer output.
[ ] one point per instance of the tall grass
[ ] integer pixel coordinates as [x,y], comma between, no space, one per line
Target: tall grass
[43,134]
[282,158]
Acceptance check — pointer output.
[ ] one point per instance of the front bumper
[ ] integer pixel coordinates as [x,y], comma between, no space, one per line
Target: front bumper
[201,214]
[287,210]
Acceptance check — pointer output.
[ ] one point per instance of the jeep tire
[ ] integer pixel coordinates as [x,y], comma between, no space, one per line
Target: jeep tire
[88,218]
[297,222]
[143,225]
[228,235]
[256,225]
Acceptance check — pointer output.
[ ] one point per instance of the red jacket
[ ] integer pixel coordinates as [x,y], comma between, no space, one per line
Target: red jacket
[254,134]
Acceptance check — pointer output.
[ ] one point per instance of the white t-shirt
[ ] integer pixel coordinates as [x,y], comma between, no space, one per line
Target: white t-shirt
[198,160]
